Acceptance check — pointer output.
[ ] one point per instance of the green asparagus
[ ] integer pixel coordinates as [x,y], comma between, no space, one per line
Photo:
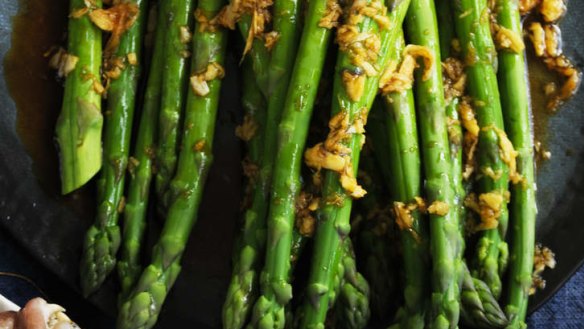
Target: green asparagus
[515,104]
[352,305]
[258,53]
[276,291]
[247,261]
[405,185]
[80,123]
[174,77]
[349,111]
[374,233]
[479,308]
[141,166]
[143,306]
[473,30]
[445,236]
[103,237]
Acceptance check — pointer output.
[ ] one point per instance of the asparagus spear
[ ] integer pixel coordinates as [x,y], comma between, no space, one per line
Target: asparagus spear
[247,262]
[143,306]
[445,236]
[376,237]
[352,305]
[79,125]
[141,166]
[103,237]
[276,291]
[479,308]
[473,30]
[259,54]
[455,133]
[515,104]
[242,289]
[405,185]
[174,78]
[348,109]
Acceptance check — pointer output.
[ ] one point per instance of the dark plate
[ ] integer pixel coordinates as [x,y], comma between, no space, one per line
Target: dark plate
[51,227]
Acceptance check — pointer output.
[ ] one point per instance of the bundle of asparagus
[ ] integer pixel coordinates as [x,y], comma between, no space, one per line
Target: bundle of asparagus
[449,142]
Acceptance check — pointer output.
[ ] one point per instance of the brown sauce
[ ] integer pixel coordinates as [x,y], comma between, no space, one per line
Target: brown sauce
[40,25]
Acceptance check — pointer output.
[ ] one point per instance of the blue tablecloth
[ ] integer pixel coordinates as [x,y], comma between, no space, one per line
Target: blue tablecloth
[564,311]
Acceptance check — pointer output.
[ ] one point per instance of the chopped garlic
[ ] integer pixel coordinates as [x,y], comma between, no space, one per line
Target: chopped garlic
[199,81]
[439,208]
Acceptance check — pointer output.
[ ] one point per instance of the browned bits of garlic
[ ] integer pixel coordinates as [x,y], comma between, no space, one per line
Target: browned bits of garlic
[488,206]
[117,20]
[537,36]
[508,156]
[403,216]
[526,6]
[199,81]
[471,136]
[453,78]
[305,208]
[552,10]
[546,40]
[362,47]
[439,208]
[508,39]
[270,39]
[354,84]
[247,130]
[63,62]
[333,154]
[204,24]
[395,79]
[543,258]
[259,12]
[185,35]
[332,13]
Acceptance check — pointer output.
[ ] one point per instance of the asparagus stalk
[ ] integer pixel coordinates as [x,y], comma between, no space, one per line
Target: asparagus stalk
[242,290]
[352,306]
[445,236]
[143,306]
[334,225]
[479,308]
[174,78]
[375,237]
[103,237]
[80,123]
[141,166]
[276,291]
[515,104]
[455,133]
[405,185]
[473,30]
[259,54]
[243,284]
